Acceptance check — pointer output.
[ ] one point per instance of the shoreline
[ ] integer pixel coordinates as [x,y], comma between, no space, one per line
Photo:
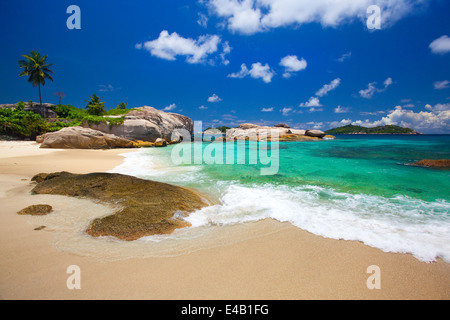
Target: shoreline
[264,260]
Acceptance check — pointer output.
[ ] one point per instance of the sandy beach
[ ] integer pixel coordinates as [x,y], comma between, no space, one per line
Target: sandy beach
[263,260]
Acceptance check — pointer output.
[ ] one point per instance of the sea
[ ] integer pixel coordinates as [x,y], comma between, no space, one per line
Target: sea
[355,187]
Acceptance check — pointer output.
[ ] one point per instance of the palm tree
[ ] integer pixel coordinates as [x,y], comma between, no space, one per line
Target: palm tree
[95,107]
[37,69]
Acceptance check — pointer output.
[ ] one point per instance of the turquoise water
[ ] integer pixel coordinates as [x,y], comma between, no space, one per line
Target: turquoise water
[355,188]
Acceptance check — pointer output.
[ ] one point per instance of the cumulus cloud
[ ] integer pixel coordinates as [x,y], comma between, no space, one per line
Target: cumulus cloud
[328,87]
[258,71]
[214,98]
[203,107]
[252,16]
[340,109]
[440,85]
[292,64]
[312,102]
[372,89]
[434,120]
[441,45]
[169,46]
[267,110]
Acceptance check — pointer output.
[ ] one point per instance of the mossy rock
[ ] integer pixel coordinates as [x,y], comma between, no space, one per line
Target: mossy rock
[36,210]
[144,207]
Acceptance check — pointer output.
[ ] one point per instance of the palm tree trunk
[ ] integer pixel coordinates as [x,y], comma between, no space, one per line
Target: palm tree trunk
[40,98]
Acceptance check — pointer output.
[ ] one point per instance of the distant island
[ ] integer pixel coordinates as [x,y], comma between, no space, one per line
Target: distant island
[389,129]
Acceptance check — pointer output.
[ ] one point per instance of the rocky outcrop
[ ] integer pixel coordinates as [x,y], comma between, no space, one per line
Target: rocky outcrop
[36,210]
[147,124]
[252,132]
[315,133]
[82,138]
[443,163]
[144,207]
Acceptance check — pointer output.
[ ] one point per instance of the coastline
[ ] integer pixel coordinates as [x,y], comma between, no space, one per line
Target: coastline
[265,260]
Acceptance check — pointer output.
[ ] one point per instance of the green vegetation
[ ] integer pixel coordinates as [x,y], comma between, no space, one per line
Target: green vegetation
[95,107]
[37,69]
[27,124]
[389,129]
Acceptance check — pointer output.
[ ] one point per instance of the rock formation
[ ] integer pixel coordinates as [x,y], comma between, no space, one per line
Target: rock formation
[252,132]
[82,138]
[144,207]
[147,124]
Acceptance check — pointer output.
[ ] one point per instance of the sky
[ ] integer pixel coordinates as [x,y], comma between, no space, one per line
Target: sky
[313,64]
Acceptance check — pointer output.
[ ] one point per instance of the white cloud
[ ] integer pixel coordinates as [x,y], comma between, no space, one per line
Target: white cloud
[252,16]
[171,107]
[312,102]
[328,87]
[214,98]
[106,88]
[286,111]
[226,50]
[440,85]
[441,45]
[435,119]
[203,108]
[267,110]
[372,89]
[258,71]
[241,74]
[344,57]
[340,109]
[292,64]
[168,46]
[202,20]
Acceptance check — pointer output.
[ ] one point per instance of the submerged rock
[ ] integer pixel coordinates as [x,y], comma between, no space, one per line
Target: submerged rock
[443,163]
[145,207]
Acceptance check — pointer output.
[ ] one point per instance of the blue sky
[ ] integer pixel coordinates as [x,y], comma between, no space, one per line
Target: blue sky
[308,63]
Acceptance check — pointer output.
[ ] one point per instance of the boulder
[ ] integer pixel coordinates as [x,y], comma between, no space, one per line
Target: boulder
[315,133]
[147,124]
[252,132]
[282,125]
[144,207]
[82,138]
[36,210]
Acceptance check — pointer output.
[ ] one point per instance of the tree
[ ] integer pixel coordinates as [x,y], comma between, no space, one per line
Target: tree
[37,69]
[60,95]
[122,106]
[95,107]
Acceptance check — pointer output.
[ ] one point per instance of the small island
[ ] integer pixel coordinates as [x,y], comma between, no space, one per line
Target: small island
[388,129]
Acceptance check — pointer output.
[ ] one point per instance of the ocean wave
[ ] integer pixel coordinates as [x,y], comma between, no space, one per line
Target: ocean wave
[399,224]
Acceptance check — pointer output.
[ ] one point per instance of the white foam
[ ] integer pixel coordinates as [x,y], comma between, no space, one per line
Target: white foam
[402,224]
